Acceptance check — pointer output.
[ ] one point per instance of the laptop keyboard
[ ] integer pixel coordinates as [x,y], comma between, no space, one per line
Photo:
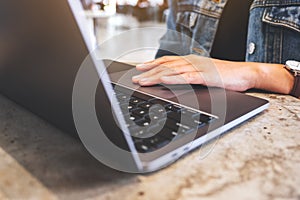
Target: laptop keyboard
[153,123]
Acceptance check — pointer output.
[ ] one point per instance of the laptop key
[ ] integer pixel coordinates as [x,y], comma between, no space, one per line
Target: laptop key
[123,98]
[142,122]
[190,113]
[174,115]
[126,107]
[131,120]
[141,147]
[205,118]
[152,143]
[153,117]
[197,123]
[139,111]
[159,110]
[156,141]
[160,102]
[156,128]
[135,101]
[179,127]
[140,132]
[145,105]
[162,143]
[174,108]
[168,133]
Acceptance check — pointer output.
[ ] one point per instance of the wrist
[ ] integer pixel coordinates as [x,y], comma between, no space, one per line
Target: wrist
[255,75]
[273,77]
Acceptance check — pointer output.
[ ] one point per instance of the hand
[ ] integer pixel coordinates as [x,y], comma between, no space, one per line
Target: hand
[193,69]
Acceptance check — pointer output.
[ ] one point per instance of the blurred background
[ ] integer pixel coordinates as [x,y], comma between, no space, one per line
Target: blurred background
[113,16]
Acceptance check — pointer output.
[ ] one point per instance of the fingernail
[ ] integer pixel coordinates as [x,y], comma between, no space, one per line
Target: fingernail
[136,77]
[143,80]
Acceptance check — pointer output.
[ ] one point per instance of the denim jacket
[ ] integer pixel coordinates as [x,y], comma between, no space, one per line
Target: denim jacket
[273,31]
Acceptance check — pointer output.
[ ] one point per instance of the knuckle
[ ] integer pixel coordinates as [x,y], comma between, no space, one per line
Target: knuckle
[163,67]
[180,69]
[164,58]
[157,69]
[167,57]
[161,79]
[190,76]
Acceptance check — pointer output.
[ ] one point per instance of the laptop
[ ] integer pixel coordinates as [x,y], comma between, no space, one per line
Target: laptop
[47,65]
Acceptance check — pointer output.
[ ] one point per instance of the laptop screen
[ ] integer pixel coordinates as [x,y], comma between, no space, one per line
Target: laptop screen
[42,49]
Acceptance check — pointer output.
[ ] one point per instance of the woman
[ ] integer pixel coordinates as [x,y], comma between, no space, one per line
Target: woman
[243,56]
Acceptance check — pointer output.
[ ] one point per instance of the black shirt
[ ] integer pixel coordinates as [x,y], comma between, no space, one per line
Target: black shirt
[231,37]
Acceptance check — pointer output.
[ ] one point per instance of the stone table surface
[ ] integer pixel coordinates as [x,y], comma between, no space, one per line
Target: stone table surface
[259,159]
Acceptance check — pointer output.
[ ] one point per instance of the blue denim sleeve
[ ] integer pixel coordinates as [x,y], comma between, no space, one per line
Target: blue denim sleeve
[274,31]
[191,27]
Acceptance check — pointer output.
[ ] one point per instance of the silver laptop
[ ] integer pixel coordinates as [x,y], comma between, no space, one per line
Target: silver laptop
[47,64]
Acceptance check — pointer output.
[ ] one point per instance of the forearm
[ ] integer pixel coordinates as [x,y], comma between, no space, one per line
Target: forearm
[237,76]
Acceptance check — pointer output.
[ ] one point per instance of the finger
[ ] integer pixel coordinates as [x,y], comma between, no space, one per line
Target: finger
[153,75]
[179,64]
[154,63]
[149,73]
[165,59]
[149,81]
[164,71]
[155,78]
[185,78]
[146,66]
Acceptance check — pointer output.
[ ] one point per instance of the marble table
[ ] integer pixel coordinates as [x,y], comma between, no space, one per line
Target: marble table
[259,159]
